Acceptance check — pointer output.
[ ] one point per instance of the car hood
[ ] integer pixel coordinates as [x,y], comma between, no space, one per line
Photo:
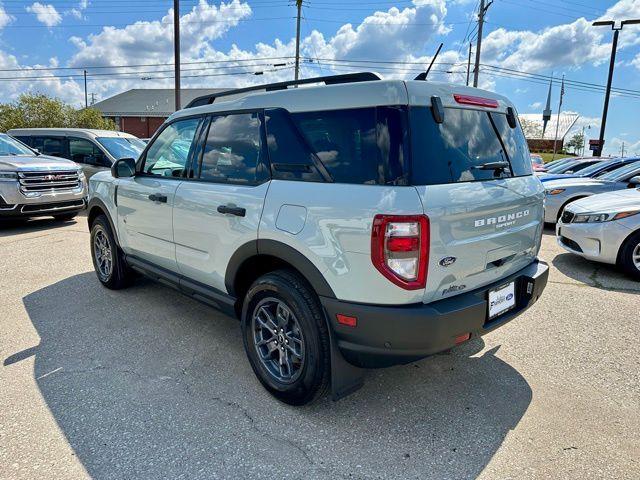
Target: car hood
[618,201]
[35,162]
[575,182]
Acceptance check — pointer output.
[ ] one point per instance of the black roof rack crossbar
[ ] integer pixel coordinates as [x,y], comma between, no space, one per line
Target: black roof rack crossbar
[328,80]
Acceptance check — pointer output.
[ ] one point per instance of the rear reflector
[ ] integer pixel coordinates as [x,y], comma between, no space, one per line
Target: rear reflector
[477,101]
[463,338]
[347,320]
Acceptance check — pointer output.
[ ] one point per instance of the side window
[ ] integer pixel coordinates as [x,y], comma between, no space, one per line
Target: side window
[232,149]
[291,158]
[50,145]
[167,155]
[84,151]
[345,141]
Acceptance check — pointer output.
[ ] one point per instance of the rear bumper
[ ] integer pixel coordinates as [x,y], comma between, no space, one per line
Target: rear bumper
[390,335]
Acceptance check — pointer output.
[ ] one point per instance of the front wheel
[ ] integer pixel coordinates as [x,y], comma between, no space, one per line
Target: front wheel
[630,256]
[108,261]
[286,338]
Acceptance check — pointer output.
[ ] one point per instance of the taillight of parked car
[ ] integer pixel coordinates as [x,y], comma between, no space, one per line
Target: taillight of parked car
[400,249]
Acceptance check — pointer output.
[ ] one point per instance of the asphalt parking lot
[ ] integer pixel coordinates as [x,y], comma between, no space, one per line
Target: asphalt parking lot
[146,383]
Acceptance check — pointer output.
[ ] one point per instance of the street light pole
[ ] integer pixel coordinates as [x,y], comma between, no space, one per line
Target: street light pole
[616,31]
[176,51]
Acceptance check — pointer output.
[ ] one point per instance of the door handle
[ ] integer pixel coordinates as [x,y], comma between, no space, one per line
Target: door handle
[237,211]
[158,198]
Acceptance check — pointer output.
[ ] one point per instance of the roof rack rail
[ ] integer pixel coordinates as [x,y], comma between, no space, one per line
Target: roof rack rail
[328,80]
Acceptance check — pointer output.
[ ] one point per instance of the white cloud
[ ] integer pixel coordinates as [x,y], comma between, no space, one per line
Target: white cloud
[5,18]
[535,106]
[77,11]
[45,13]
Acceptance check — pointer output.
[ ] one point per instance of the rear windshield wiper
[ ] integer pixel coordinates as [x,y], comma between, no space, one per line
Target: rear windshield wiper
[492,166]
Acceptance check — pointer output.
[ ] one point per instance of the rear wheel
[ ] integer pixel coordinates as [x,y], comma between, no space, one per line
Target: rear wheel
[108,261]
[630,256]
[286,338]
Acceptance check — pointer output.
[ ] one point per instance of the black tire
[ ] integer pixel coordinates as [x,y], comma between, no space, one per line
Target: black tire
[311,379]
[65,217]
[629,249]
[119,275]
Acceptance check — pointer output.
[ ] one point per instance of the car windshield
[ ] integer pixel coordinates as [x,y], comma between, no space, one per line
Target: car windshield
[122,147]
[597,167]
[11,146]
[620,173]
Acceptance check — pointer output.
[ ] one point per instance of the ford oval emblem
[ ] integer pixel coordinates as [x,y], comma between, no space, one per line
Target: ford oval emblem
[446,261]
[509,296]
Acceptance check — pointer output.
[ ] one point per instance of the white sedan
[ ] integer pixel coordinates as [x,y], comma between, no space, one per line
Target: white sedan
[604,228]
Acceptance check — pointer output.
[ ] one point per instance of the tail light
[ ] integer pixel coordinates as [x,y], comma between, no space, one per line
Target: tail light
[400,249]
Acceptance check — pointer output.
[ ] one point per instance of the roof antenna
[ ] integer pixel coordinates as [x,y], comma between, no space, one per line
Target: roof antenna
[423,75]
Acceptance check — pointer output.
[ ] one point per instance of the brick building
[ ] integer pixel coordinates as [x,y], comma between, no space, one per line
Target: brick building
[141,111]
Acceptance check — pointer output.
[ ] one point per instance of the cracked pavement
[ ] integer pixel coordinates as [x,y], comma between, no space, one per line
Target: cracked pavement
[146,383]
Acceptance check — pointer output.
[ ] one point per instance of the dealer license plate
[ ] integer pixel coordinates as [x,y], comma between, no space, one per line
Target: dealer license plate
[502,299]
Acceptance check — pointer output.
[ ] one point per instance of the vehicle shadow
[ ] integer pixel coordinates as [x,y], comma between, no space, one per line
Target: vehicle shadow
[146,383]
[595,274]
[9,227]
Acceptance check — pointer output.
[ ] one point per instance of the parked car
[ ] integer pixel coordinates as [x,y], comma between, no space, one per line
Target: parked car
[537,163]
[34,185]
[340,241]
[94,150]
[593,171]
[570,167]
[604,228]
[559,193]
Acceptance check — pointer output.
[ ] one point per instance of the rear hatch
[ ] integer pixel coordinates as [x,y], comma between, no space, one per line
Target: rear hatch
[474,177]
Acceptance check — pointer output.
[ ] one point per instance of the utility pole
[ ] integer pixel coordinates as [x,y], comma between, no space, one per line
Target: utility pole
[616,30]
[86,100]
[93,98]
[481,14]
[622,150]
[469,63]
[176,50]
[299,6]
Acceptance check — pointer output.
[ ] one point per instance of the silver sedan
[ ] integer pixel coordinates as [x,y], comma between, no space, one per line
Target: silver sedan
[604,228]
[559,193]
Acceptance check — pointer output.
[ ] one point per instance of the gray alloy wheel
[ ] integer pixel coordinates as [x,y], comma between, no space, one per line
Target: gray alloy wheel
[635,256]
[103,253]
[278,339]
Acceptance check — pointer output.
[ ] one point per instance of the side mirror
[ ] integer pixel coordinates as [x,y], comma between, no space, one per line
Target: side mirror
[125,167]
[635,181]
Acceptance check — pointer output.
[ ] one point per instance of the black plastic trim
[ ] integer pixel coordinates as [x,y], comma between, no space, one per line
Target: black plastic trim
[199,291]
[96,202]
[390,335]
[282,251]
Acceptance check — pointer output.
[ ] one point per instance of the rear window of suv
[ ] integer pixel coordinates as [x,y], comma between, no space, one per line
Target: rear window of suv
[452,151]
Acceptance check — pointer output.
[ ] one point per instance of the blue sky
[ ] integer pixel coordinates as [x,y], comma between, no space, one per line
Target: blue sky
[58,39]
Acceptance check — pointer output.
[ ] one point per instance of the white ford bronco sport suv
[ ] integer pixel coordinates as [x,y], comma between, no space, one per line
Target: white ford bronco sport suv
[357,224]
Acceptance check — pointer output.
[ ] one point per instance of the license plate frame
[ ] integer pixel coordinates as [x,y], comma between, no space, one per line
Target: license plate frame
[501,299]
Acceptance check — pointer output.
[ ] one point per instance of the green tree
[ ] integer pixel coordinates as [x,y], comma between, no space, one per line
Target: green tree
[531,129]
[42,111]
[576,142]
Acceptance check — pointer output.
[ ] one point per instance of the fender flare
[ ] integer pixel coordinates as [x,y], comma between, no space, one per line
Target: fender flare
[97,203]
[282,251]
